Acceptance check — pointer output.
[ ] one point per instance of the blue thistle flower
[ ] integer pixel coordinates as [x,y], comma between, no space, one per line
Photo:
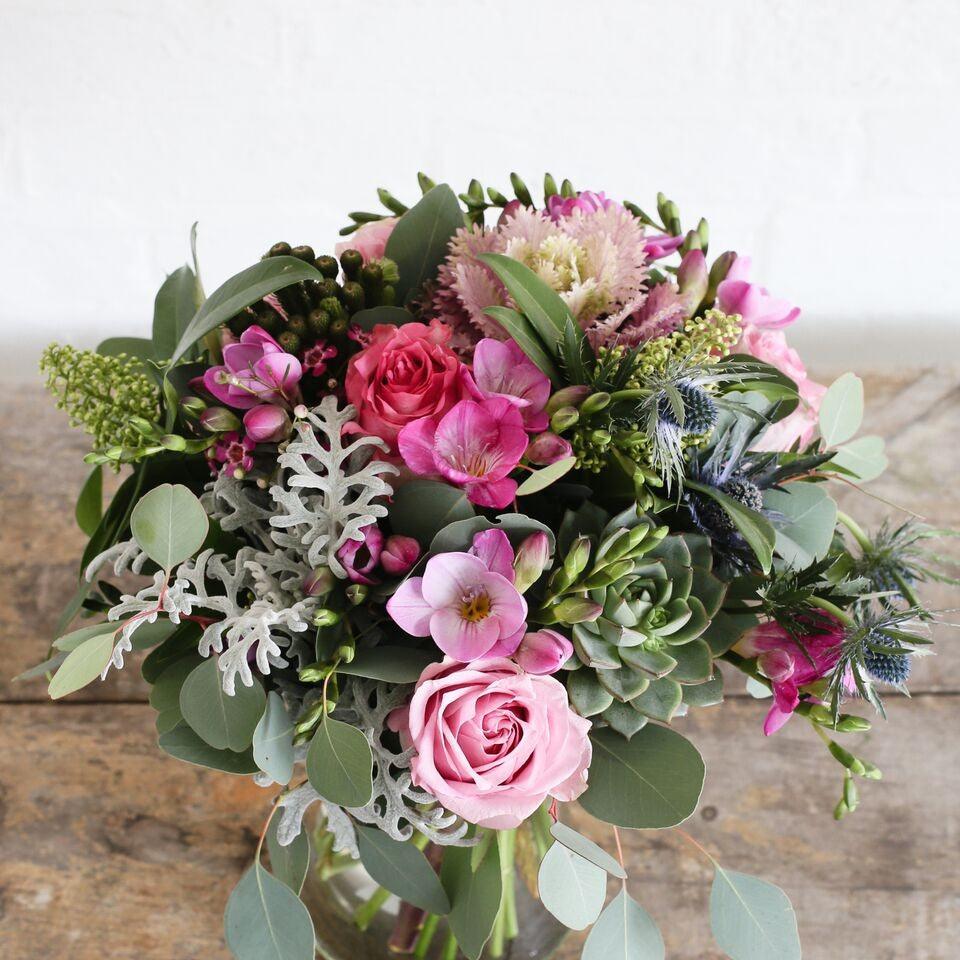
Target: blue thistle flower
[892,668]
[699,409]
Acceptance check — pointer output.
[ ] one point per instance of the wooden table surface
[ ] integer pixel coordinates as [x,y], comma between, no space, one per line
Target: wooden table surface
[110,849]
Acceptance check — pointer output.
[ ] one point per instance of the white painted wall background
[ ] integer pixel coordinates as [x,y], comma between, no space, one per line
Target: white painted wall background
[820,136]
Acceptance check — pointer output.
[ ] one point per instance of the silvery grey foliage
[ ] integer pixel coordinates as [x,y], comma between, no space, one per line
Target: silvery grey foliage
[239,505]
[331,490]
[125,555]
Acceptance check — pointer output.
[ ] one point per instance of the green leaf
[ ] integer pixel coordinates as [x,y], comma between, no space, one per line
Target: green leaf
[340,764]
[149,635]
[651,781]
[84,664]
[572,349]
[41,669]
[625,931]
[89,508]
[726,629]
[222,721]
[289,863]
[571,888]
[458,536]
[240,291]
[864,457]
[660,700]
[402,868]
[183,744]
[587,849]
[70,641]
[137,347]
[180,644]
[474,896]
[173,309]
[694,662]
[422,508]
[419,241]
[527,340]
[752,919]
[804,517]
[755,529]
[266,920]
[389,664]
[841,410]
[541,479]
[169,524]
[273,740]
[165,693]
[705,694]
[368,319]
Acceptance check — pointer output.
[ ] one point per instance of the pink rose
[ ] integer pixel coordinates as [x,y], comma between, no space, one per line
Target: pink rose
[493,742]
[370,240]
[754,304]
[405,373]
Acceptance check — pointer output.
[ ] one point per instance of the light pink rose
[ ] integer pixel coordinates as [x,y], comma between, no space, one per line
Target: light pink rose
[493,742]
[370,240]
[403,374]
[754,304]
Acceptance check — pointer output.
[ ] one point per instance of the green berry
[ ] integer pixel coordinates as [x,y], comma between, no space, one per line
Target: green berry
[328,266]
[289,341]
[351,261]
[319,322]
[279,250]
[353,296]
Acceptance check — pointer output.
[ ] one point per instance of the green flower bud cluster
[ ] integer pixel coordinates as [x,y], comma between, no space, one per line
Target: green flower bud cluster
[111,398]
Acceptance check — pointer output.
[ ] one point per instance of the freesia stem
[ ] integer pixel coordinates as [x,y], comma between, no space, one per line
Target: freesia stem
[364,914]
[833,610]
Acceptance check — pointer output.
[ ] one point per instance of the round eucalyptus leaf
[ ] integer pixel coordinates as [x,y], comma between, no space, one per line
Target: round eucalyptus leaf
[841,409]
[571,888]
[340,764]
[169,524]
[752,919]
[587,849]
[422,508]
[183,744]
[273,740]
[289,863]
[624,931]
[224,722]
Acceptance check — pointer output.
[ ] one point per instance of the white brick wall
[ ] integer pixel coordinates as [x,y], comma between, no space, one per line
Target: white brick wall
[820,136]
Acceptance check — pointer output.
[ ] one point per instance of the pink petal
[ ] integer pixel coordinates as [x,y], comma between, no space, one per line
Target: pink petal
[498,494]
[409,610]
[415,442]
[493,548]
[461,639]
[449,577]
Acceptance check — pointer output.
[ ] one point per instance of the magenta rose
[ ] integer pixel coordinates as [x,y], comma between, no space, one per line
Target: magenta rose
[493,742]
[370,240]
[404,374]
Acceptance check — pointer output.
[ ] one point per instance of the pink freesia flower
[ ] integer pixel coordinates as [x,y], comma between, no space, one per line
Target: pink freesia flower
[361,557]
[502,369]
[469,610]
[662,245]
[788,666]
[492,741]
[543,651]
[586,201]
[494,549]
[266,423]
[474,446]
[399,554]
[752,302]
[254,370]
[370,240]
[548,448]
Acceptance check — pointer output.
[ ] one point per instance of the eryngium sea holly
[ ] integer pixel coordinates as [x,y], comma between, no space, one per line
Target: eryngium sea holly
[656,595]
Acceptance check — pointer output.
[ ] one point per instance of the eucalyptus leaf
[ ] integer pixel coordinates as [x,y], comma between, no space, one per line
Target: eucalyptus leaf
[180,644]
[165,693]
[624,931]
[266,920]
[389,664]
[422,508]
[183,744]
[340,764]
[752,919]
[571,888]
[841,410]
[139,348]
[89,508]
[804,517]
[289,863]
[474,896]
[273,740]
[402,868]
[587,849]
[864,457]
[43,668]
[84,663]
[70,641]
[652,780]
[368,319]
[169,524]
[541,479]
[458,536]
[224,722]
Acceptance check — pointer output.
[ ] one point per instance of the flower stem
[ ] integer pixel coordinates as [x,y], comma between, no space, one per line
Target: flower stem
[364,914]
[855,529]
[833,610]
[426,936]
[449,948]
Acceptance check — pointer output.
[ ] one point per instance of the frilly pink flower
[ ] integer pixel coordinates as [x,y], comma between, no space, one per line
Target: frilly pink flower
[493,742]
[502,369]
[370,240]
[468,610]
[543,651]
[752,302]
[586,201]
[232,454]
[474,446]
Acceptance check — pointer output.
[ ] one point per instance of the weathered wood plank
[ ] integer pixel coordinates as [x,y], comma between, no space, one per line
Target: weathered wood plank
[109,849]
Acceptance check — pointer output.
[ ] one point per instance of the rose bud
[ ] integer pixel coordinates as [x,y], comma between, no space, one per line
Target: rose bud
[219,420]
[266,423]
[548,448]
[399,555]
[530,560]
[544,651]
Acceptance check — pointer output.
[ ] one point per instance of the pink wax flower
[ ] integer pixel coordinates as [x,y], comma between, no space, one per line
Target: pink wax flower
[266,423]
[543,651]
[361,557]
[790,667]
[661,245]
[502,369]
[255,370]
[316,357]
[370,240]
[546,448]
[586,201]
[403,374]
[399,554]
[474,446]
[232,454]
[469,610]
[752,302]
[492,741]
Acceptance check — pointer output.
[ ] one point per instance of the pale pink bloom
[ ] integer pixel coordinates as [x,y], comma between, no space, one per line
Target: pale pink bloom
[532,558]
[788,666]
[266,423]
[543,651]
[399,554]
[255,370]
[502,369]
[662,245]
[474,446]
[361,557]
[370,240]
[493,742]
[752,302]
[546,448]
[469,610]
[586,201]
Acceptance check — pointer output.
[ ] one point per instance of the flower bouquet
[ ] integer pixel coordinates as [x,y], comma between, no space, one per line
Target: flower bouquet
[442,533]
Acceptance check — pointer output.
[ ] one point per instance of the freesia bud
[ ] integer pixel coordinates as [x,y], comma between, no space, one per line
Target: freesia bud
[544,651]
[564,419]
[399,555]
[567,397]
[193,406]
[692,281]
[361,557]
[531,560]
[577,558]
[324,617]
[548,448]
[266,423]
[595,403]
[318,582]
[219,420]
